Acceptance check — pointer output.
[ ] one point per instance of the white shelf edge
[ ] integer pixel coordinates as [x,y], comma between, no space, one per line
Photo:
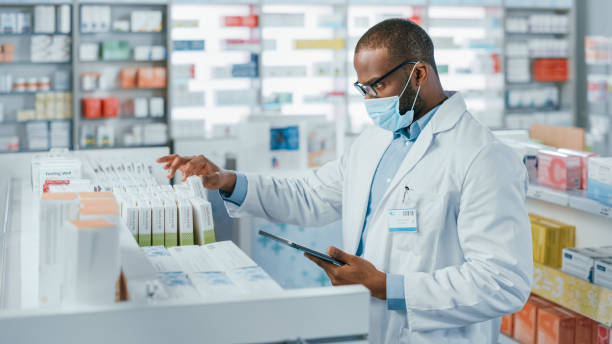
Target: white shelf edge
[572,199]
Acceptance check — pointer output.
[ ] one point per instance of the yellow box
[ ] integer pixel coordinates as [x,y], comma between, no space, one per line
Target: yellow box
[335,43]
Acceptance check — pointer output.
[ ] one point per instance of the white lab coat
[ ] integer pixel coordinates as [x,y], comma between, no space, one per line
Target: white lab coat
[470,261]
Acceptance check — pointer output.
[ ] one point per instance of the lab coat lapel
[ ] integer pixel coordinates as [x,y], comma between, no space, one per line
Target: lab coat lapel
[415,154]
[366,166]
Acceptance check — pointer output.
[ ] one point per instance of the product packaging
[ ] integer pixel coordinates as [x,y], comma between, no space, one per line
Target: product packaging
[157,222]
[55,209]
[558,171]
[580,262]
[144,222]
[599,184]
[556,326]
[584,163]
[92,261]
[204,228]
[185,216]
[526,320]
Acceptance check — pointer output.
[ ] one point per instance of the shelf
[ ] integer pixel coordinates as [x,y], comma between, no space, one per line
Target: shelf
[37,120]
[503,339]
[123,147]
[136,89]
[7,34]
[35,63]
[17,93]
[532,33]
[123,118]
[121,33]
[124,61]
[580,296]
[575,199]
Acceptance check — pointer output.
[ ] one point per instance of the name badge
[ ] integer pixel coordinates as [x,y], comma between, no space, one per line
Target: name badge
[403,220]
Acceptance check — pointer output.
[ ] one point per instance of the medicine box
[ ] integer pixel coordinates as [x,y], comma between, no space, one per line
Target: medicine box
[92,262]
[507,325]
[599,185]
[602,273]
[584,163]
[526,320]
[161,259]
[580,262]
[54,210]
[556,326]
[558,171]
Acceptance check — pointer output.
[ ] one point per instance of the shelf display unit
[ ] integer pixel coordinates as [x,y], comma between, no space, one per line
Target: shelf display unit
[539,63]
[83,74]
[35,67]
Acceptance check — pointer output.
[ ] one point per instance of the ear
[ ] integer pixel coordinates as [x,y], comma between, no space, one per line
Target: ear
[421,73]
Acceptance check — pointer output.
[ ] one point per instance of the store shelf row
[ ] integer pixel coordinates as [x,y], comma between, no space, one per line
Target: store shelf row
[575,199]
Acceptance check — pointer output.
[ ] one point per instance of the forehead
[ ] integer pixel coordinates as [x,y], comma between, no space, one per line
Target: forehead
[371,63]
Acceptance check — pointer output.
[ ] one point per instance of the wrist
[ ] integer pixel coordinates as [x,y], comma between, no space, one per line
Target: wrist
[378,285]
[228,182]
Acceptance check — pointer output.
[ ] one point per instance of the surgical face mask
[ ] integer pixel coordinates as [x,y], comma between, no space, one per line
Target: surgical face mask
[385,112]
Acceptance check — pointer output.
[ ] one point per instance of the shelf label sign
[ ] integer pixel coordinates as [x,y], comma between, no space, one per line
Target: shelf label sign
[573,293]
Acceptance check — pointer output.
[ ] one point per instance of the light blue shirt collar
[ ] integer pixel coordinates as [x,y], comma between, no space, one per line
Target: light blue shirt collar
[413,131]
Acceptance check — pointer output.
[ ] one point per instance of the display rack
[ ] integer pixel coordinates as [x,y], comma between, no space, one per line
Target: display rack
[15,135]
[539,63]
[339,314]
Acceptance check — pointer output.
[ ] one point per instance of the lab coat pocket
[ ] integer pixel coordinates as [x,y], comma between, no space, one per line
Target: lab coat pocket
[429,219]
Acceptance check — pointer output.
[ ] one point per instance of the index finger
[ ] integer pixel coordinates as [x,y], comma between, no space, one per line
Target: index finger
[166,158]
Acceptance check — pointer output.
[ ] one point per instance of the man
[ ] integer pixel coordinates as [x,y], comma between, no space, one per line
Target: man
[432,204]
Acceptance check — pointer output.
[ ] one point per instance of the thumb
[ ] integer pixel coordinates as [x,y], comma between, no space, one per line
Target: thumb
[339,254]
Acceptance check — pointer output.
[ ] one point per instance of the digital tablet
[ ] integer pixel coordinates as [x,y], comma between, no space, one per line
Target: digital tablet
[302,248]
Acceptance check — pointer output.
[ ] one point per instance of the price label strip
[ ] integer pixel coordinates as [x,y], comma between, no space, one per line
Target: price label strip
[573,293]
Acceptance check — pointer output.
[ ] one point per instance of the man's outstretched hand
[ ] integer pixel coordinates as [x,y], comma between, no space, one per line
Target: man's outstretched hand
[213,177]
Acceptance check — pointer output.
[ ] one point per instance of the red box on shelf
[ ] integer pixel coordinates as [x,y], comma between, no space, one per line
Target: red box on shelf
[110,107]
[602,334]
[127,78]
[92,107]
[507,325]
[251,21]
[550,70]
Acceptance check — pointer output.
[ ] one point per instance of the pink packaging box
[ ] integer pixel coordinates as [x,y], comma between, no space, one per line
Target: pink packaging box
[584,163]
[558,171]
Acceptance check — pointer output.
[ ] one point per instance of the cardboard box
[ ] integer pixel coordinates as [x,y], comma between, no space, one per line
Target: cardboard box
[580,262]
[556,326]
[144,222]
[602,334]
[584,330]
[507,325]
[55,209]
[602,273]
[99,203]
[92,107]
[551,237]
[170,222]
[92,262]
[157,222]
[558,171]
[96,195]
[203,225]
[110,107]
[109,214]
[584,163]
[127,77]
[599,184]
[526,320]
[185,228]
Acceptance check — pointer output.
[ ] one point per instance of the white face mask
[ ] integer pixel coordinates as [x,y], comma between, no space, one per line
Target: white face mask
[385,112]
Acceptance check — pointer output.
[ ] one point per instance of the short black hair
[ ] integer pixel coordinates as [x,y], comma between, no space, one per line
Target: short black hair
[403,38]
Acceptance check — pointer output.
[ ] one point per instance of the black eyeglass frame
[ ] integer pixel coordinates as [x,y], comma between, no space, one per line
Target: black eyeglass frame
[363,89]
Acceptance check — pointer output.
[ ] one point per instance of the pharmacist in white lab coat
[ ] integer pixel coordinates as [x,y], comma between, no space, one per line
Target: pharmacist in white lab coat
[432,204]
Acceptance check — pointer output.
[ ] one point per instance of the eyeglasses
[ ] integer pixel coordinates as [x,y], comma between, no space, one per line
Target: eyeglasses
[369,87]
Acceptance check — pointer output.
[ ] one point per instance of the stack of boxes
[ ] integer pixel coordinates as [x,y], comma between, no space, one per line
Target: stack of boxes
[48,105]
[544,322]
[549,238]
[567,169]
[79,248]
[143,77]
[47,48]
